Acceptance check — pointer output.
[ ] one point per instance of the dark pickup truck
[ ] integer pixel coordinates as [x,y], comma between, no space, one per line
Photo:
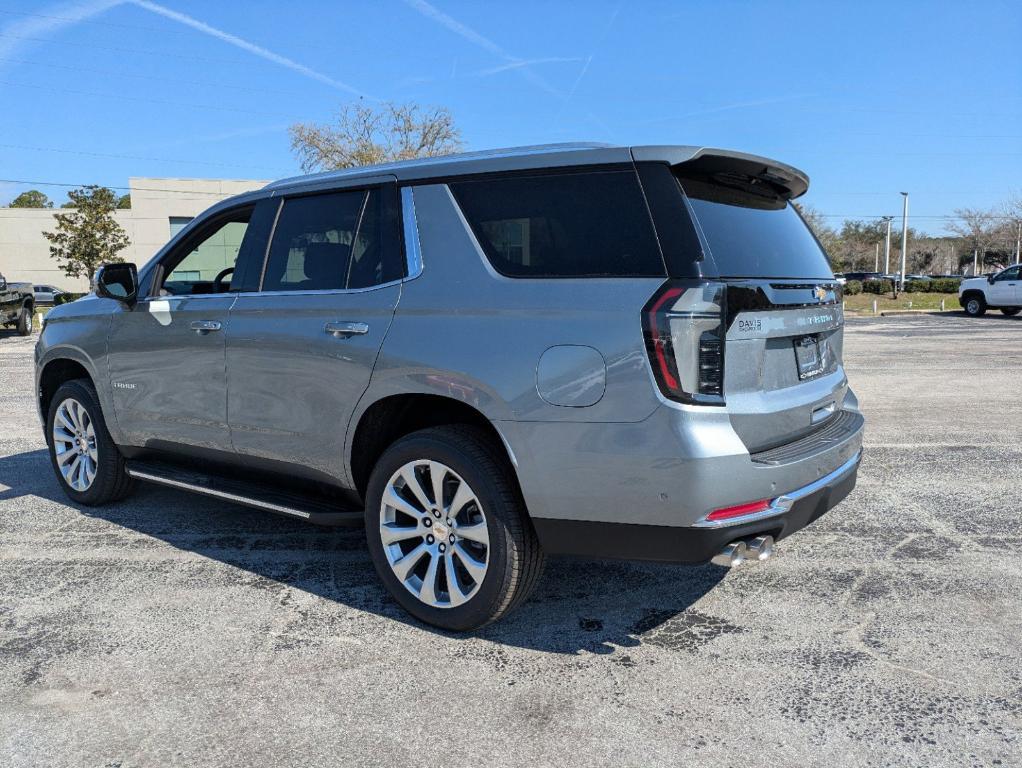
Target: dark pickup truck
[17,302]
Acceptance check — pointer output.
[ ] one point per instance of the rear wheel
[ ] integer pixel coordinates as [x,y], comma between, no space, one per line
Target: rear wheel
[25,321]
[975,306]
[447,529]
[1011,311]
[88,465]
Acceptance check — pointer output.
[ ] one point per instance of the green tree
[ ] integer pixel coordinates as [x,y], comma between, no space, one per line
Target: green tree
[824,233]
[364,135]
[89,236]
[124,202]
[31,198]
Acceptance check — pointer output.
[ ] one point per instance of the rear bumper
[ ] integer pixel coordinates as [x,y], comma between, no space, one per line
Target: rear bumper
[697,543]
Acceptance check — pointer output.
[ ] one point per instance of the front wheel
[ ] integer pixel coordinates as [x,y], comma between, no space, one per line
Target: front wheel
[1011,311]
[447,528]
[25,321]
[975,306]
[88,465]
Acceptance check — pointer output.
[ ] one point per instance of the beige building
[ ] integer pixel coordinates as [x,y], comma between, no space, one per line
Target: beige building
[159,209]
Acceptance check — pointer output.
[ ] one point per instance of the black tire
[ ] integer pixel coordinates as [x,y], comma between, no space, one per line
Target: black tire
[1011,311]
[111,482]
[25,321]
[515,557]
[975,306]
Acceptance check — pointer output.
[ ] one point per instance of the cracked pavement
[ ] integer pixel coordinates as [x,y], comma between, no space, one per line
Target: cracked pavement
[174,629]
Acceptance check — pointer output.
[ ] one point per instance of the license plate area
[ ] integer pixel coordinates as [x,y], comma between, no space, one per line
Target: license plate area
[808,359]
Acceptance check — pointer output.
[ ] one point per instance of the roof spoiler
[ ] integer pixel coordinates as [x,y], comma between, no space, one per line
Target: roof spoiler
[751,172]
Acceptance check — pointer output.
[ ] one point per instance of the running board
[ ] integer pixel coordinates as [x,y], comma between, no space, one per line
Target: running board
[251,494]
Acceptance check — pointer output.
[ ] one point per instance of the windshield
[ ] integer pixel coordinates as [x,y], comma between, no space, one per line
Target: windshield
[755,235]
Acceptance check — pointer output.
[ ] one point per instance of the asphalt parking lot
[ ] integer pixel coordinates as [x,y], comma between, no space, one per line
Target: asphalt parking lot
[171,629]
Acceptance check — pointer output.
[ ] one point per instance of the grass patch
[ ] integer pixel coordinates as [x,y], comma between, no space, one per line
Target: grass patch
[863,302]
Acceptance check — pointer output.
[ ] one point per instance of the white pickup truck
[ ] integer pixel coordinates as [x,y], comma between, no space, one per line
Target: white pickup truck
[1002,291]
[17,302]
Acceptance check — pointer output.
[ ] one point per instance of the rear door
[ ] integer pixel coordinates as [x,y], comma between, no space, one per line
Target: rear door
[301,350]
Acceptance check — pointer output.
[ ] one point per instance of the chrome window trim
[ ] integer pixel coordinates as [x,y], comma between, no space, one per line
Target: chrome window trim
[181,296]
[410,226]
[784,503]
[322,292]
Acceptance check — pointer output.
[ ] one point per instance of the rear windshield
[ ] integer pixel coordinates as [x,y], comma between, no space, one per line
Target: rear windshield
[750,235]
[588,224]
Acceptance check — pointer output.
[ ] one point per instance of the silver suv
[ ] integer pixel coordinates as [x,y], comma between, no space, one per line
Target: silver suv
[603,351]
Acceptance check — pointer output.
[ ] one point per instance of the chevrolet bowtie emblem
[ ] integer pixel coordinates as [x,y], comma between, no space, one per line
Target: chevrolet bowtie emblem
[821,293]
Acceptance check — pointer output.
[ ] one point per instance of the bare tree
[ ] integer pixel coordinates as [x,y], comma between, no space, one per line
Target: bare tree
[1012,224]
[976,227]
[363,134]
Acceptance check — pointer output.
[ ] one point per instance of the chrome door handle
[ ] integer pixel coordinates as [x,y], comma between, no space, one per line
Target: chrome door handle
[202,327]
[342,330]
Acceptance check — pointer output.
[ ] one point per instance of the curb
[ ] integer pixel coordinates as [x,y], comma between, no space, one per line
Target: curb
[895,312]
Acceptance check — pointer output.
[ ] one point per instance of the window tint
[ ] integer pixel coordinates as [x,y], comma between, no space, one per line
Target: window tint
[562,225]
[376,255]
[312,243]
[1011,273]
[753,235]
[212,251]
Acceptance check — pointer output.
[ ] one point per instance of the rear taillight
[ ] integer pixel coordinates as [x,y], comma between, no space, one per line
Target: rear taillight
[684,328]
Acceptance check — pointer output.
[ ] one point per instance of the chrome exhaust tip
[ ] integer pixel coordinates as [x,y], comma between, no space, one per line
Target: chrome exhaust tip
[733,554]
[760,548]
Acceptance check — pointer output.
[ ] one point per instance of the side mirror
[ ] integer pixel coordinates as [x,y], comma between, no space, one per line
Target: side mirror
[990,279]
[118,282]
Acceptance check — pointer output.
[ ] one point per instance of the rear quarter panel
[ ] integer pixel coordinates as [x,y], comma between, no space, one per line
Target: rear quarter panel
[463,331]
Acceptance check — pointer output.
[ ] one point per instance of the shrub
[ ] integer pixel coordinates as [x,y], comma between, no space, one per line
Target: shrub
[876,286]
[65,298]
[945,285]
[940,285]
[853,287]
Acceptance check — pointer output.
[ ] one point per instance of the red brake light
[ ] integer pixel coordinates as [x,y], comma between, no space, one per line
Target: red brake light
[661,359]
[739,510]
[684,329]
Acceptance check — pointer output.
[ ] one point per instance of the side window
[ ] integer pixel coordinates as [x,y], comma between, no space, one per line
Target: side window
[205,262]
[376,256]
[313,241]
[1009,274]
[593,223]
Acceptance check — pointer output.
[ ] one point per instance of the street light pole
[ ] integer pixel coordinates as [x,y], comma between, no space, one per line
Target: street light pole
[887,246]
[904,237]
[1018,239]
[876,262]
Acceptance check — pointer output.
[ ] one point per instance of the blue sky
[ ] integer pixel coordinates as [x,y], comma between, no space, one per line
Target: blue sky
[868,98]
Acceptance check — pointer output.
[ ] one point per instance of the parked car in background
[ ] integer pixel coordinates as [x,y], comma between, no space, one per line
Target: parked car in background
[484,359]
[862,276]
[1001,291]
[46,294]
[17,304]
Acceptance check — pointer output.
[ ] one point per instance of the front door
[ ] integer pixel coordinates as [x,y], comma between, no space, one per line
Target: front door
[301,350]
[167,353]
[1005,291]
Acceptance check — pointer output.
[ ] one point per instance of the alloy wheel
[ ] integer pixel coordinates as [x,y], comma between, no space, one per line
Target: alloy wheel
[434,533]
[74,445]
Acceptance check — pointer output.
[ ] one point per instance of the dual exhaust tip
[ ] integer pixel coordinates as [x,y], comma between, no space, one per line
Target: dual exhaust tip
[738,552]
